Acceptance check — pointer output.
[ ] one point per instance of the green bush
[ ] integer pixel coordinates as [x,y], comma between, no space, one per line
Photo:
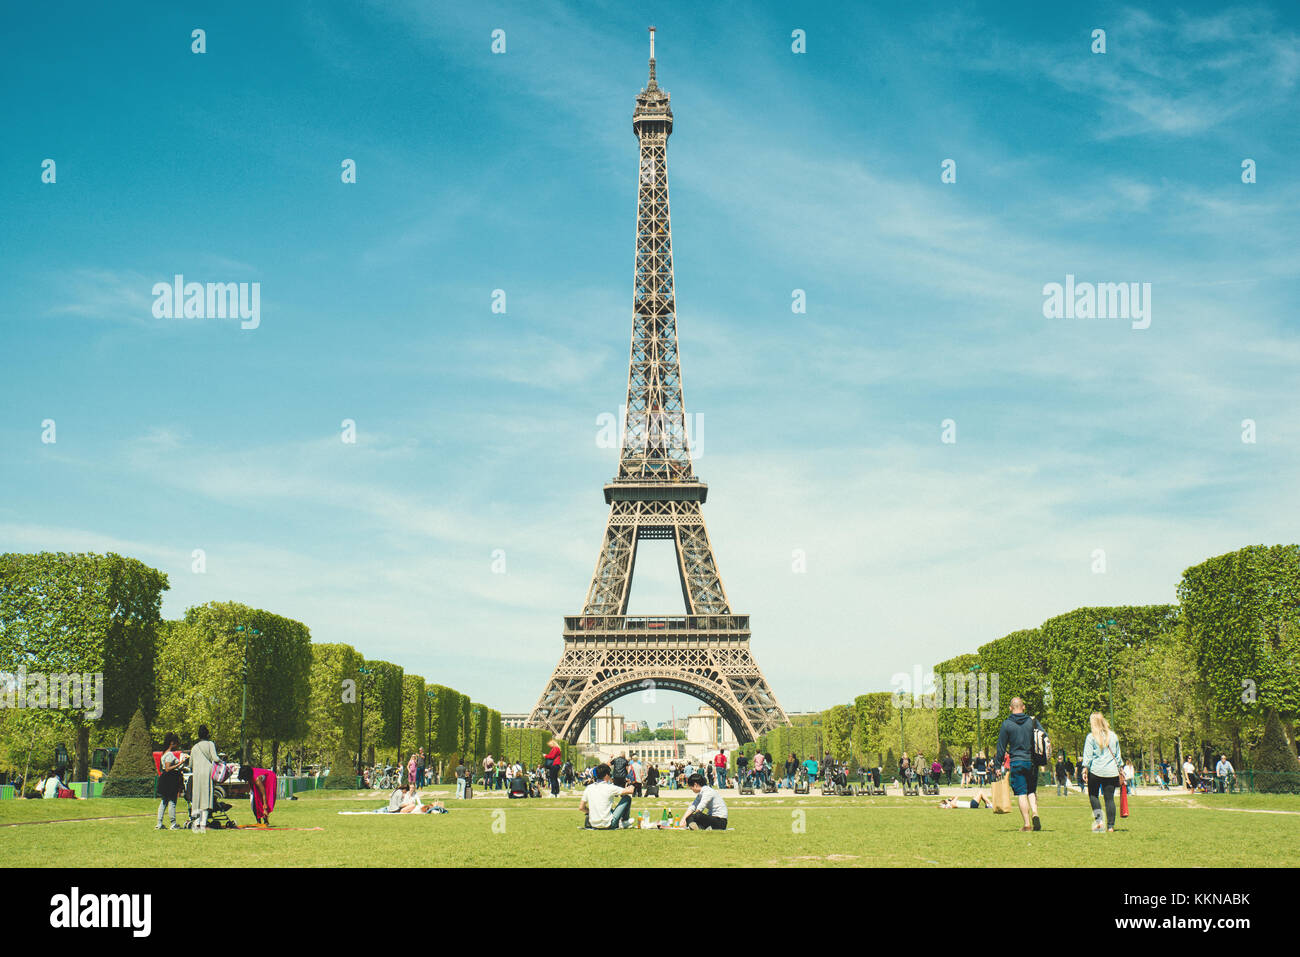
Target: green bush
[342,774]
[121,786]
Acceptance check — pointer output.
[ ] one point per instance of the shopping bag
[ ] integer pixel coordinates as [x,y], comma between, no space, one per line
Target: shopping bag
[1123,797]
[1002,796]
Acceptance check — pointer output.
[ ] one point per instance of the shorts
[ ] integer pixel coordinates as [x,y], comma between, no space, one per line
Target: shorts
[1024,778]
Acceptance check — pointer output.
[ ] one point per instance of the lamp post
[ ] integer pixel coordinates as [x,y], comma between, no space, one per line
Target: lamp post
[361,714]
[430,697]
[1104,631]
[243,714]
[979,718]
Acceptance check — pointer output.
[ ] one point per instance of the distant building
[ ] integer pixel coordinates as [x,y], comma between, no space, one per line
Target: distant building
[699,737]
[514,720]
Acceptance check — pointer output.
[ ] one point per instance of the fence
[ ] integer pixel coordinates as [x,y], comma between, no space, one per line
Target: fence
[82,789]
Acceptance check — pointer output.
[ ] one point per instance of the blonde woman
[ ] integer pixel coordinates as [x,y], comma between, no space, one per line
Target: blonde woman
[1101,769]
[553,759]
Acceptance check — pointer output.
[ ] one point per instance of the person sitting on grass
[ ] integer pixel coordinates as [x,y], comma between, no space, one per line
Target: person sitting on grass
[397,799]
[411,803]
[598,803]
[519,789]
[960,803]
[708,811]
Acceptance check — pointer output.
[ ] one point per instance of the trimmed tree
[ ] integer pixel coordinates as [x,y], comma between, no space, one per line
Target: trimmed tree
[1276,769]
[133,773]
[83,615]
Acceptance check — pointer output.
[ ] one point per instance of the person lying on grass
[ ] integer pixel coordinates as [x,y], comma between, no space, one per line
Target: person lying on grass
[959,803]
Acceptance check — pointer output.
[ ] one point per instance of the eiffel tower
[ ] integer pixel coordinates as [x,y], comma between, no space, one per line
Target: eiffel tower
[705,652]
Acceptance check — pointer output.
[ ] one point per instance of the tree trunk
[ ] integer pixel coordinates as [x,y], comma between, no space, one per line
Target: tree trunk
[82,770]
[275,754]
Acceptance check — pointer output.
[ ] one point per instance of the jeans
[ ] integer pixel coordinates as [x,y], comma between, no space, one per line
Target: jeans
[789,781]
[170,806]
[721,775]
[553,773]
[460,787]
[622,812]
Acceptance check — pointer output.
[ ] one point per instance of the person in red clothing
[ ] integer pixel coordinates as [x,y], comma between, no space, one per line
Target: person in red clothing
[261,792]
[554,758]
[720,768]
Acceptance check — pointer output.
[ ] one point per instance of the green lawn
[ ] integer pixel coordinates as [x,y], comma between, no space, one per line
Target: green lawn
[1178,830]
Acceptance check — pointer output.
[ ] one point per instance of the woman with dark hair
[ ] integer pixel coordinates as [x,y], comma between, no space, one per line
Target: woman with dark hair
[202,758]
[261,791]
[170,781]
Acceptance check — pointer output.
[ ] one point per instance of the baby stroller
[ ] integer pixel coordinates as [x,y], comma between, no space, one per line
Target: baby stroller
[219,817]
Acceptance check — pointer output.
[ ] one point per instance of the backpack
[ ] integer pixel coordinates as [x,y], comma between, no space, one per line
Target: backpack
[1042,745]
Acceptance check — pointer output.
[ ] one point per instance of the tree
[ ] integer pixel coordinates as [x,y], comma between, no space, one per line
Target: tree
[414,711]
[874,717]
[333,705]
[958,719]
[1080,655]
[64,614]
[1020,663]
[383,711]
[133,773]
[1276,769]
[200,674]
[135,756]
[837,731]
[1242,612]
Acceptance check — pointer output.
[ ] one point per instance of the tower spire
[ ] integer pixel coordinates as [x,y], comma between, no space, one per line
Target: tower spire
[653,83]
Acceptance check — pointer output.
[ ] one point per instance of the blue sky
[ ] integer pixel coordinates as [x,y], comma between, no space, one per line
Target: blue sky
[477,431]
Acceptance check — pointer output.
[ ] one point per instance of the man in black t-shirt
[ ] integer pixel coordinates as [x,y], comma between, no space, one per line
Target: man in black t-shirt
[619,769]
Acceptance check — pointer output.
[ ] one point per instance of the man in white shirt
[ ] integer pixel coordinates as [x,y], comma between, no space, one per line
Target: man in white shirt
[708,811]
[1222,770]
[598,802]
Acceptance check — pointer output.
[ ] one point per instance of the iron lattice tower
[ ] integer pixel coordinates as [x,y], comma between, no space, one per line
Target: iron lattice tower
[705,652]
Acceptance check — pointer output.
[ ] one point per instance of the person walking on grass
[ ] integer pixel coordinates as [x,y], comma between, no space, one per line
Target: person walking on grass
[1101,769]
[1062,775]
[1016,742]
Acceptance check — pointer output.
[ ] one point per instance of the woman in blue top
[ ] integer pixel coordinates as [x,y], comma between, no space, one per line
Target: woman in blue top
[1101,766]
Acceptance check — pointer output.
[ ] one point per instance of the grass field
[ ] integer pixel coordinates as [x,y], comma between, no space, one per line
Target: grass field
[1177,830]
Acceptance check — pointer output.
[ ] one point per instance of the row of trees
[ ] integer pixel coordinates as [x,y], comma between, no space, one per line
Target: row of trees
[89,614]
[1196,678]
